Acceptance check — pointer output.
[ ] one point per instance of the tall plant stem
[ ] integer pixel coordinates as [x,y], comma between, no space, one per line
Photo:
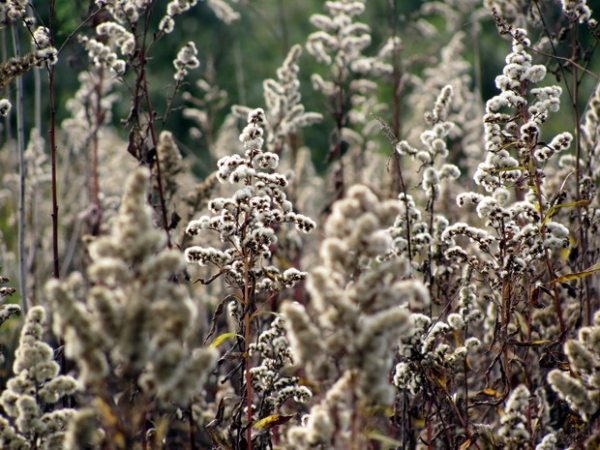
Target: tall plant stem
[247,336]
[161,197]
[191,426]
[4,56]
[22,174]
[583,237]
[99,119]
[52,132]
[141,87]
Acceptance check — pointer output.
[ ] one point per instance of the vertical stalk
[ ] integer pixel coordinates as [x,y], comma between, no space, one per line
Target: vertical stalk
[142,83]
[22,173]
[247,336]
[587,312]
[37,80]
[466,371]
[4,56]
[191,426]
[52,131]
[99,119]
[34,232]
[161,197]
[429,430]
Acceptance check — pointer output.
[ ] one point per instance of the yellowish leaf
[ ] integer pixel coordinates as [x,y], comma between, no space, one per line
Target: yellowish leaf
[554,208]
[419,421]
[386,441]
[105,412]
[575,276]
[441,379]
[271,421]
[576,422]
[119,439]
[161,429]
[506,169]
[491,393]
[468,364]
[220,339]
[373,410]
[457,338]
[540,342]
[466,444]
[522,323]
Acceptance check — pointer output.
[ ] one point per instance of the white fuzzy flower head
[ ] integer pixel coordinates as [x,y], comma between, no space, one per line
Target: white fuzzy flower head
[4,107]
[118,36]
[577,9]
[167,24]
[186,59]
[41,37]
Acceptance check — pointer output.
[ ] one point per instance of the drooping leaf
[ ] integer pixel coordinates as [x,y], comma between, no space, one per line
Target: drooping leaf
[554,208]
[491,393]
[271,421]
[386,441]
[213,323]
[221,338]
[466,444]
[575,276]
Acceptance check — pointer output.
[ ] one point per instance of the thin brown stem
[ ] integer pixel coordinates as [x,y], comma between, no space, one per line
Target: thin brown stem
[56,272]
[99,118]
[549,268]
[438,409]
[247,336]
[161,196]
[191,428]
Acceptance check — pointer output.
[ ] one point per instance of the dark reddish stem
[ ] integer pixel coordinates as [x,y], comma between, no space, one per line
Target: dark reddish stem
[95,179]
[55,272]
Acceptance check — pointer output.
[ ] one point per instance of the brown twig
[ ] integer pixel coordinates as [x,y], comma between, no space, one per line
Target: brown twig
[52,131]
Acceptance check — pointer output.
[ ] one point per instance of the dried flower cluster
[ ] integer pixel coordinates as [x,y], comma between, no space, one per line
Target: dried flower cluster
[247,220]
[135,321]
[358,314]
[579,386]
[32,419]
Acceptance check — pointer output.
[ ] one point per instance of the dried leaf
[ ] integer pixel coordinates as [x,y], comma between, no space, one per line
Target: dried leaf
[554,208]
[466,444]
[386,441]
[105,412]
[523,326]
[491,393]
[271,421]
[221,338]
[575,276]
[213,322]
[505,169]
